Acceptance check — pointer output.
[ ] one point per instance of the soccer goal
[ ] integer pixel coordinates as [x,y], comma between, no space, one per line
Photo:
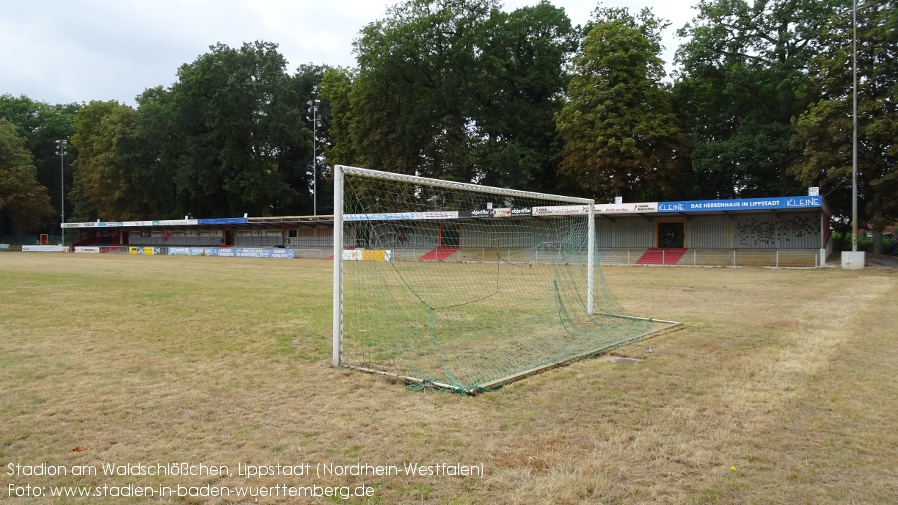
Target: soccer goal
[466,287]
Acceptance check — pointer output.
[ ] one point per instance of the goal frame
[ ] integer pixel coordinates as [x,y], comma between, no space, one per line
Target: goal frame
[339,172]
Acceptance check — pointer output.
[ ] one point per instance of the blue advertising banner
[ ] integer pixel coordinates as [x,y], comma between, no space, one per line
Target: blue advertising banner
[191,251]
[231,252]
[773,203]
[389,216]
[225,220]
[165,222]
[255,253]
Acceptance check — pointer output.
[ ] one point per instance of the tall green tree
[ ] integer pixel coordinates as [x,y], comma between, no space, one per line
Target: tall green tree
[525,57]
[420,73]
[825,131]
[41,125]
[621,135]
[104,181]
[336,91]
[235,117]
[153,152]
[456,89]
[24,202]
[743,79]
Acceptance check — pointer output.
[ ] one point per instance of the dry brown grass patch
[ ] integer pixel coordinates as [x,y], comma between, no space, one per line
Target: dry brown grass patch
[786,375]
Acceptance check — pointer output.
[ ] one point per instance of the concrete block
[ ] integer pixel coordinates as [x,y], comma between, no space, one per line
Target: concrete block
[853,260]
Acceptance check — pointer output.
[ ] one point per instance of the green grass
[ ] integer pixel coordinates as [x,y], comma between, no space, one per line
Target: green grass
[787,375]
[470,325]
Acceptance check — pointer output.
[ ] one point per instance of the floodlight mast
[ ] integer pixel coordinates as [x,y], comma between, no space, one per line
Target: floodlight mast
[61,151]
[854,135]
[313,106]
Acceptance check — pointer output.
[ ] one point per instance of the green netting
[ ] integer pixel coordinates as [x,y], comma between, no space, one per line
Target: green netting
[469,289]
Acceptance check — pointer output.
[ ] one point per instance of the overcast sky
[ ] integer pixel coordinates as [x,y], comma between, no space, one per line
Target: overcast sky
[60,51]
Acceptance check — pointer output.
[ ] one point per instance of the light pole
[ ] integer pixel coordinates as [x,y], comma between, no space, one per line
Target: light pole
[854,259]
[313,106]
[854,129]
[61,151]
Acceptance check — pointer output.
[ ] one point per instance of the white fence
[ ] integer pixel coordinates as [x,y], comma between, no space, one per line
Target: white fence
[775,258]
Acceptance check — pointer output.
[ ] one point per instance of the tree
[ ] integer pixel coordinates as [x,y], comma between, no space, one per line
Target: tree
[825,130]
[525,78]
[234,118]
[743,79]
[621,135]
[104,181]
[153,153]
[336,92]
[41,125]
[420,73]
[455,89]
[24,203]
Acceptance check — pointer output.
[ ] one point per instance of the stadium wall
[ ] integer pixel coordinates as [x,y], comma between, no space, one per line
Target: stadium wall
[782,223]
[787,230]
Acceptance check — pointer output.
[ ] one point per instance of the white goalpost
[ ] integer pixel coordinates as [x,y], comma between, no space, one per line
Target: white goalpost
[466,287]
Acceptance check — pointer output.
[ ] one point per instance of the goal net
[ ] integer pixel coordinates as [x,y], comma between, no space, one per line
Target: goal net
[463,286]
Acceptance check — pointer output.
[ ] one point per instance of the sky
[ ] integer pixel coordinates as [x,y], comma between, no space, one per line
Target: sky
[76,51]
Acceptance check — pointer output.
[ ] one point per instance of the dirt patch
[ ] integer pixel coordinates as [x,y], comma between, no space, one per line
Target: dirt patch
[619,360]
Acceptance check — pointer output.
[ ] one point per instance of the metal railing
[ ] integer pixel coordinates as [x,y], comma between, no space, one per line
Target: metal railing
[772,258]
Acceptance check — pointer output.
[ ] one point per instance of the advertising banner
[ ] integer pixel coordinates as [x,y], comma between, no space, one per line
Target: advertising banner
[163,222]
[191,251]
[561,210]
[396,216]
[233,252]
[43,248]
[497,212]
[226,220]
[367,255]
[149,251]
[626,208]
[237,252]
[443,214]
[476,213]
[772,203]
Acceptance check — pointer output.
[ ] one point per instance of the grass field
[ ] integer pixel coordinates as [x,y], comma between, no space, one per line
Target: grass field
[475,325]
[780,389]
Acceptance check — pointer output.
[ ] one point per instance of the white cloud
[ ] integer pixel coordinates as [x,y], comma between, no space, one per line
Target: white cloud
[78,51]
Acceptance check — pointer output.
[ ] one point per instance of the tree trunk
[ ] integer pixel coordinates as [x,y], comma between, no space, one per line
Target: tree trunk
[878,224]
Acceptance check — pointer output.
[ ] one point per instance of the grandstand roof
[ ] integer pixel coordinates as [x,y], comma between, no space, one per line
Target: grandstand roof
[768,204]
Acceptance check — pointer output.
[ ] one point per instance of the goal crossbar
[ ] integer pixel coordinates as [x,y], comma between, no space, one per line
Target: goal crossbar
[477,188]
[368,224]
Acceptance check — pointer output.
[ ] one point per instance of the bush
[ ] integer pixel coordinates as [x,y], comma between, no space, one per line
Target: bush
[842,242]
